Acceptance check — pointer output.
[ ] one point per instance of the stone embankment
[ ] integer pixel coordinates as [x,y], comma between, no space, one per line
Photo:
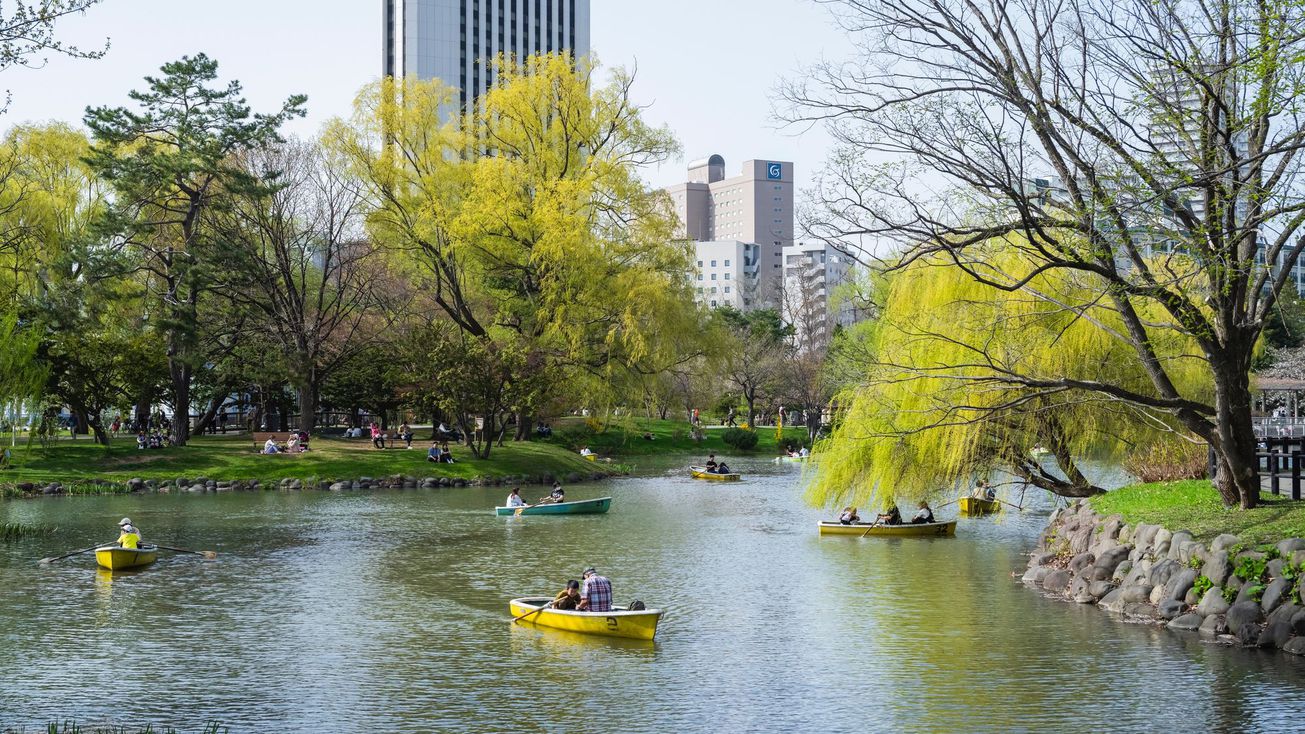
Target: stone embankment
[1225,590]
[202,484]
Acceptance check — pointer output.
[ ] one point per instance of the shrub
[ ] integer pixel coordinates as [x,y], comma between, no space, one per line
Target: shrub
[1202,585]
[1169,462]
[1251,569]
[743,440]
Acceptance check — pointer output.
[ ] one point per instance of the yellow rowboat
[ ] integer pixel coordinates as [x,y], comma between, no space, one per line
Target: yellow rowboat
[116,558]
[927,529]
[620,622]
[977,506]
[700,472]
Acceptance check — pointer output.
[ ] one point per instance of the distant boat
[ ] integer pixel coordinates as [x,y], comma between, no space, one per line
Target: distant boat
[116,558]
[620,622]
[794,459]
[579,507]
[927,529]
[700,472]
[977,506]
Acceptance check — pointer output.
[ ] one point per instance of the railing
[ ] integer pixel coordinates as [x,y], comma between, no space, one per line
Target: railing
[1270,427]
[1281,458]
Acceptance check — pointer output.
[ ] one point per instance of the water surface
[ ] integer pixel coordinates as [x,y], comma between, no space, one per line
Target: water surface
[387,611]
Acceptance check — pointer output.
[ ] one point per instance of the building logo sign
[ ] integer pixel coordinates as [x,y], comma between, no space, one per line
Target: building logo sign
[774,171]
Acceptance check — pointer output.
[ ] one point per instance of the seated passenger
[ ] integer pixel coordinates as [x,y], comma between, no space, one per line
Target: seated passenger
[586,452]
[722,468]
[568,598]
[923,515]
[514,499]
[849,516]
[130,536]
[805,452]
[892,517]
[983,491]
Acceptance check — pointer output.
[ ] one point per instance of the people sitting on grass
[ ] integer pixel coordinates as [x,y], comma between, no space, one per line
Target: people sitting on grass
[270,447]
[647,435]
[434,453]
[923,514]
[849,516]
[543,430]
[586,452]
[892,517]
[292,445]
[446,456]
[568,598]
[141,441]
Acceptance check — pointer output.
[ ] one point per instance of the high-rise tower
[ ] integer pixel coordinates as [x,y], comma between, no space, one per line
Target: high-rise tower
[457,40]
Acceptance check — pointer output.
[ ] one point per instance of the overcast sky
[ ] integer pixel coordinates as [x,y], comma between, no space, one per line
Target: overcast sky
[708,68]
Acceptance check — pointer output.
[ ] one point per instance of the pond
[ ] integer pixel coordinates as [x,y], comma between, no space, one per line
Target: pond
[387,611]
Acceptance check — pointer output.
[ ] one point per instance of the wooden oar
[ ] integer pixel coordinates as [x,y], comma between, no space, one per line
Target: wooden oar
[210,555]
[534,611]
[873,525]
[74,553]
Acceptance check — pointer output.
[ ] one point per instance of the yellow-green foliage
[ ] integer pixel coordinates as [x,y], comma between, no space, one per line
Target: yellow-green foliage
[935,407]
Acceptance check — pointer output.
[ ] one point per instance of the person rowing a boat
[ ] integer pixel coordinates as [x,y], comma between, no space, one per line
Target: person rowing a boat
[596,594]
[568,598]
[130,536]
[557,496]
[711,463]
[892,517]
[923,515]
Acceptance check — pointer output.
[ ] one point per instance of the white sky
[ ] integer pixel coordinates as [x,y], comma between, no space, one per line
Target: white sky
[708,68]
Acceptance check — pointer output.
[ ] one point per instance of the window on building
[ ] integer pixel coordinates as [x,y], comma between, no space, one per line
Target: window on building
[713,289]
[699,276]
[699,263]
[713,263]
[727,289]
[727,263]
[727,276]
[713,276]
[713,304]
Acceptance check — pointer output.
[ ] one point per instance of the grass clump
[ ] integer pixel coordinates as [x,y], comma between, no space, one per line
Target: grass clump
[1195,506]
[12,531]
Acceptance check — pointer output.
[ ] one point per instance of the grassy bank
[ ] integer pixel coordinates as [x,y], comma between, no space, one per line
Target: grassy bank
[230,457]
[625,437]
[1195,506]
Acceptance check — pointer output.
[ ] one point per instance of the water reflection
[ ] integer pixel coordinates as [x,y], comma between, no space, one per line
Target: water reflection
[347,612]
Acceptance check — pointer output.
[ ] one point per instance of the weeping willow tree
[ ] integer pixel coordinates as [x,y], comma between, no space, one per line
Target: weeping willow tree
[963,378]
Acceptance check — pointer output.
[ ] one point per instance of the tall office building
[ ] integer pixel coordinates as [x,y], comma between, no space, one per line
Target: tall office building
[811,274]
[755,208]
[457,40]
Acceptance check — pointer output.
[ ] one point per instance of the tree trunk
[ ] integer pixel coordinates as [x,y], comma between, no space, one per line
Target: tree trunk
[206,418]
[1238,479]
[525,427]
[141,411]
[180,373]
[307,407]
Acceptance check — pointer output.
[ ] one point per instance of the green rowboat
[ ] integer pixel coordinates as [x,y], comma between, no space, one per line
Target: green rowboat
[582,507]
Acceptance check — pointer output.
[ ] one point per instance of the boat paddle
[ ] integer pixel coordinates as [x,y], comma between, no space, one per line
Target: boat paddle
[533,611]
[873,525]
[210,555]
[74,553]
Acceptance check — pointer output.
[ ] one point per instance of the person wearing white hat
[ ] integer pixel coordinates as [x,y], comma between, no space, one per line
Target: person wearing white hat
[130,537]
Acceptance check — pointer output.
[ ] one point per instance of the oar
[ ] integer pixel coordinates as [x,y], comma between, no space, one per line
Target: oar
[873,525]
[74,553]
[535,611]
[210,555]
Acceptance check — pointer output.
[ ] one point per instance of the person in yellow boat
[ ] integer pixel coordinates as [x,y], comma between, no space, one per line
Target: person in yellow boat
[849,516]
[923,515]
[130,536]
[892,517]
[984,491]
[568,598]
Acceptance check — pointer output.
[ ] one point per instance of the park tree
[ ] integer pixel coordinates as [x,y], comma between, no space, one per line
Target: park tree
[172,162]
[526,222]
[27,36]
[756,347]
[1152,148]
[935,408]
[297,256]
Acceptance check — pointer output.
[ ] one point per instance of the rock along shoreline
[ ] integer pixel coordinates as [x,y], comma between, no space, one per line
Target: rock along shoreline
[199,485]
[1227,591]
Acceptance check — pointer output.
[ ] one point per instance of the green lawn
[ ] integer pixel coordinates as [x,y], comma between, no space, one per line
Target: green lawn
[1195,506]
[230,457]
[624,437]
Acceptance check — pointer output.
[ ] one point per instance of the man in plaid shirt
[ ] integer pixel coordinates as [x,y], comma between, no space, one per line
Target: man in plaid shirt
[596,594]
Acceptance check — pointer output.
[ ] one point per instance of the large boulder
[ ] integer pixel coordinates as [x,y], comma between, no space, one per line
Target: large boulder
[1179,583]
[1298,622]
[1140,611]
[1243,613]
[1275,568]
[1214,625]
[1176,543]
[1284,613]
[1192,551]
[1080,539]
[1098,589]
[1162,571]
[1274,594]
[1289,546]
[1223,543]
[1136,594]
[1170,608]
[1276,635]
[1212,603]
[1248,634]
[1188,622]
[1217,567]
[1112,602]
[1121,571]
[1295,646]
[1111,559]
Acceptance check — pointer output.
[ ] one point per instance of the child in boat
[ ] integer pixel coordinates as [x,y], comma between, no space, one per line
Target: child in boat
[130,536]
[923,515]
[568,598]
[892,517]
[849,516]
